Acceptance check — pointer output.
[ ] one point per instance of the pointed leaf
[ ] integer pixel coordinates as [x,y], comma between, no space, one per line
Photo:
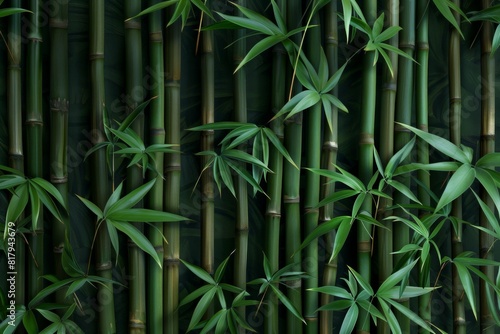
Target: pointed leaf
[459,182]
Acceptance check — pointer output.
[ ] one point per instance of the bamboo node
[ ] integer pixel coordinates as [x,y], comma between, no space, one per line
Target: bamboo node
[34,122]
[400,128]
[58,23]
[459,321]
[273,214]
[59,104]
[294,284]
[156,37]
[136,323]
[330,145]
[132,24]
[332,40]
[423,46]
[154,132]
[390,86]
[423,127]
[291,200]
[364,246]
[172,168]
[97,55]
[169,262]
[104,266]
[58,249]
[58,179]
[159,249]
[410,46]
[366,139]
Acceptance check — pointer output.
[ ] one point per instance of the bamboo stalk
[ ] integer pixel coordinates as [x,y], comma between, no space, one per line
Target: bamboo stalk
[384,241]
[100,188]
[328,159]
[59,107]
[487,146]
[366,143]
[291,175]
[135,92]
[404,104]
[34,131]
[422,105]
[455,136]
[172,175]
[312,188]
[242,222]
[157,136]
[16,155]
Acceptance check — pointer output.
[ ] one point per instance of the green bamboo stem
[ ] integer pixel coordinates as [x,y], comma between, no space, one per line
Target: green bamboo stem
[59,106]
[422,105]
[172,175]
[384,241]
[366,143]
[154,287]
[34,149]
[242,223]
[100,189]
[404,105]
[455,134]
[328,159]
[291,176]
[312,188]
[207,181]
[16,155]
[208,116]
[487,146]
[133,64]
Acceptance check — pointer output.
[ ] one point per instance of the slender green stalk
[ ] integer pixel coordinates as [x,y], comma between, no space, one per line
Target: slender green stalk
[366,143]
[242,223]
[208,116]
[311,200]
[34,149]
[100,188]
[133,64]
[455,136]
[384,241]
[207,181]
[15,125]
[404,104]
[59,106]
[422,104]
[172,175]
[157,136]
[328,159]
[487,146]
[291,175]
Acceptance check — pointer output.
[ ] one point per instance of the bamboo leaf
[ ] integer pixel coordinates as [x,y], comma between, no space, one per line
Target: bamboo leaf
[50,316]
[131,199]
[390,317]
[459,182]
[337,305]
[489,215]
[337,196]
[144,215]
[17,204]
[333,291]
[92,207]
[347,11]
[444,7]
[138,238]
[361,280]
[154,8]
[201,308]
[195,294]
[468,285]
[488,14]
[219,272]
[115,196]
[496,41]
[410,315]
[334,80]
[350,320]
[378,25]
[395,278]
[288,304]
[322,229]
[113,237]
[489,185]
[244,157]
[271,136]
[11,11]
[200,273]
[403,190]
[260,19]
[47,201]
[397,158]
[341,237]
[29,322]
